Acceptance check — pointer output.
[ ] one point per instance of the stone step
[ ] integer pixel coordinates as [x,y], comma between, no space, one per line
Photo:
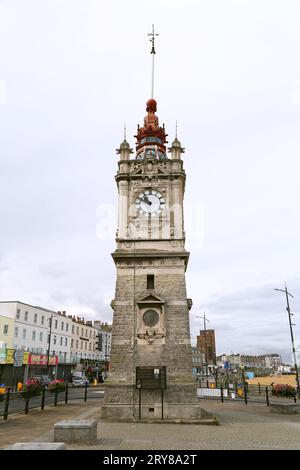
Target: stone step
[208,421]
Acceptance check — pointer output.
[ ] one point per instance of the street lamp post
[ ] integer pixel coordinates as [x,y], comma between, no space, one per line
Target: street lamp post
[287,294]
[49,338]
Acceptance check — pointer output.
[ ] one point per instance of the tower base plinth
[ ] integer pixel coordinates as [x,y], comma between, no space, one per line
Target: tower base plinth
[178,403]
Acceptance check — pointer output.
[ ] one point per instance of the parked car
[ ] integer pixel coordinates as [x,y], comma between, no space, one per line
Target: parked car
[42,379]
[79,381]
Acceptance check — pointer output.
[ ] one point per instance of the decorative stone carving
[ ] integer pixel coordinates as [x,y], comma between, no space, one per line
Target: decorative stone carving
[151,334]
[150,166]
[150,319]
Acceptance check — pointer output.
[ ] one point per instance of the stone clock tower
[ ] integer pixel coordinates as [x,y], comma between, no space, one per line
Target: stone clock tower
[151,364]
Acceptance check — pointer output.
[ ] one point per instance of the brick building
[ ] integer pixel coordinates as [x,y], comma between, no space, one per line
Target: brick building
[207,345]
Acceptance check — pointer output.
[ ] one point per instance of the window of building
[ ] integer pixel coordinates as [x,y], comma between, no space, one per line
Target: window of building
[33,336]
[54,339]
[48,339]
[81,331]
[76,343]
[18,313]
[67,326]
[81,345]
[94,334]
[61,340]
[66,341]
[72,343]
[16,331]
[62,326]
[78,330]
[24,333]
[90,333]
[85,345]
[73,329]
[41,336]
[56,323]
[26,316]
[90,346]
[86,333]
[5,329]
[150,281]
[42,320]
[35,318]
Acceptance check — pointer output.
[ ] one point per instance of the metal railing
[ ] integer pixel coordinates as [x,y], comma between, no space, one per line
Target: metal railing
[23,401]
[247,393]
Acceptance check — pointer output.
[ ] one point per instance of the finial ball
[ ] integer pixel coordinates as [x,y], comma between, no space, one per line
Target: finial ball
[151,105]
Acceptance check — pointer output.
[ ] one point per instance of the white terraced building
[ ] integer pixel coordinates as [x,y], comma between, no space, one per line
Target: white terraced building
[73,339]
[32,329]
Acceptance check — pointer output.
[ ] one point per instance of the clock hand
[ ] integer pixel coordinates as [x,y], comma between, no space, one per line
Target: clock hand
[145,199]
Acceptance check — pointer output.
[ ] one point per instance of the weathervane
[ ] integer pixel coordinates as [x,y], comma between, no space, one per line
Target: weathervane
[152,40]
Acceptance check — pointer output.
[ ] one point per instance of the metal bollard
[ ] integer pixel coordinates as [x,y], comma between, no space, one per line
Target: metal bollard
[267,396]
[85,391]
[259,390]
[222,395]
[245,394]
[66,393]
[6,406]
[43,397]
[27,401]
[55,395]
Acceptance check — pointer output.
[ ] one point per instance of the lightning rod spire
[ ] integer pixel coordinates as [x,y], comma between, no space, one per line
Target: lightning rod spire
[152,40]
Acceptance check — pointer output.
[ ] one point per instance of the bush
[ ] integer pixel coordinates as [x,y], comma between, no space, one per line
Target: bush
[57,384]
[281,390]
[31,388]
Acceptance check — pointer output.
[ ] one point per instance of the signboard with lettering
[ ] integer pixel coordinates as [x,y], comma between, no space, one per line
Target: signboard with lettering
[10,356]
[18,358]
[2,355]
[26,357]
[151,378]
[53,360]
[42,359]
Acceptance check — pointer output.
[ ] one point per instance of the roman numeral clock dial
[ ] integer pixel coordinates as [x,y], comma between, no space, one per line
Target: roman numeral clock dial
[150,202]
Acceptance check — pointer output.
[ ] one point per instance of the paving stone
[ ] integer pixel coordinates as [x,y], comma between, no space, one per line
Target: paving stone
[241,427]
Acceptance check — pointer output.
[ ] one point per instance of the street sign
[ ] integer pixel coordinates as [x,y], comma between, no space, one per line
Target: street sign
[151,377]
[226,365]
[18,358]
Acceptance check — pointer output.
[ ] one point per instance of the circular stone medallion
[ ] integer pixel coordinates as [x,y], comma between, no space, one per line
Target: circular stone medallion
[150,318]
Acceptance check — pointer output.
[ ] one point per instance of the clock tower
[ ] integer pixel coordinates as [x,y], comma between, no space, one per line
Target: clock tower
[151,362]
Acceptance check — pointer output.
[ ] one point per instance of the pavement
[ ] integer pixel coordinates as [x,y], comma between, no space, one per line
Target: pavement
[242,427]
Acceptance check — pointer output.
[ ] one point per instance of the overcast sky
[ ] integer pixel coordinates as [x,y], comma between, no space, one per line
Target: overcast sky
[71,73]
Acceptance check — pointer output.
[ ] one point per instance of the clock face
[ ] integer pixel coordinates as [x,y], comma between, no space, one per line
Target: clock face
[150,202]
